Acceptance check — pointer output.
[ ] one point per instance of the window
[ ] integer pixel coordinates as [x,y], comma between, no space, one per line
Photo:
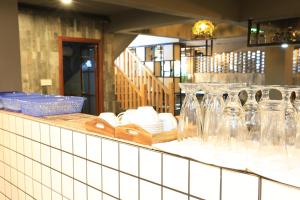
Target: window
[296,61]
[232,62]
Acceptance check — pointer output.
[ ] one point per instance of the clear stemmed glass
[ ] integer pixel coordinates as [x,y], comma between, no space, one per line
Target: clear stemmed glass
[295,152]
[297,107]
[214,112]
[233,130]
[205,101]
[272,142]
[190,115]
[290,117]
[233,126]
[252,116]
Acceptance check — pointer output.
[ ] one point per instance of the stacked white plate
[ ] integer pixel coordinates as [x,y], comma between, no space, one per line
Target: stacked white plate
[147,118]
[153,128]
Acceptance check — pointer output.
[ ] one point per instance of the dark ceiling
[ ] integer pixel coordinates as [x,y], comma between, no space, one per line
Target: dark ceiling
[122,17]
[234,10]
[130,15]
[85,6]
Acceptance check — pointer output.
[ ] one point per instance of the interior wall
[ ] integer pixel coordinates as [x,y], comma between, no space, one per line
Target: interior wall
[251,78]
[39,32]
[230,44]
[184,30]
[109,72]
[10,70]
[269,9]
[278,70]
[121,42]
[279,63]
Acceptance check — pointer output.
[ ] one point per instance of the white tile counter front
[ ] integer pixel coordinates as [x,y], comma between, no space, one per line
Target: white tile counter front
[48,161]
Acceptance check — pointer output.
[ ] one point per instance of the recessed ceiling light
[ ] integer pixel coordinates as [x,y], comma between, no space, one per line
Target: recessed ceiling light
[284,45]
[66,1]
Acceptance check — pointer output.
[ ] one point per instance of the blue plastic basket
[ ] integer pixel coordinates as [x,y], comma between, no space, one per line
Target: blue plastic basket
[6,94]
[41,107]
[12,102]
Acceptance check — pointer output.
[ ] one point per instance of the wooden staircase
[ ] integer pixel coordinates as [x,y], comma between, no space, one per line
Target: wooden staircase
[135,85]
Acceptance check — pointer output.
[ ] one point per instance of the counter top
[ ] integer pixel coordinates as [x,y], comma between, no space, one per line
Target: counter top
[74,122]
[70,121]
[61,150]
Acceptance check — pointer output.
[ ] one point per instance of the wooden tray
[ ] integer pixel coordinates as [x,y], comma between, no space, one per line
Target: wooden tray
[137,134]
[164,137]
[130,132]
[134,133]
[106,129]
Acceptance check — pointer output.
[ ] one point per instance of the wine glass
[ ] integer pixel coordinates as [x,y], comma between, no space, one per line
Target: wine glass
[233,125]
[190,121]
[252,116]
[214,112]
[205,101]
[297,107]
[294,161]
[233,130]
[272,150]
[290,117]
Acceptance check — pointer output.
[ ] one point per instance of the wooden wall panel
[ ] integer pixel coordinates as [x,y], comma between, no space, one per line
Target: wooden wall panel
[39,32]
[10,70]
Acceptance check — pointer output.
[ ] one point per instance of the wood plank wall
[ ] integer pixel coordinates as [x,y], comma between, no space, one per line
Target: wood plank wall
[10,70]
[39,30]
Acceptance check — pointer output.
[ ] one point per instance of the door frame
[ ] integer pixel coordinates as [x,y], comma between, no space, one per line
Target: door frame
[99,84]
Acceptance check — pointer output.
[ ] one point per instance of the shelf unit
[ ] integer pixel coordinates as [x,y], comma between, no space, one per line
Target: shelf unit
[274,32]
[173,63]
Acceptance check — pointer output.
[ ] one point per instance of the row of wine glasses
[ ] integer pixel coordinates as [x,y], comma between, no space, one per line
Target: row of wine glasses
[270,127]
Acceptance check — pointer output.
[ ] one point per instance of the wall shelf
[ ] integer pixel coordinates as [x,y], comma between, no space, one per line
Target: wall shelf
[274,32]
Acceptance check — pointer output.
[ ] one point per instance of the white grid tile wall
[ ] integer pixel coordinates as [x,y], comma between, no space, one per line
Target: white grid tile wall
[44,162]
[232,62]
[296,61]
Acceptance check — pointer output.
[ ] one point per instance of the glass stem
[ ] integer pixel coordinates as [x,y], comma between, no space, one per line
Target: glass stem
[251,95]
[286,97]
[297,96]
[234,97]
[265,94]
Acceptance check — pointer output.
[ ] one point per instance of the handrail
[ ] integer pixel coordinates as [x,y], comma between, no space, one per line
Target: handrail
[149,73]
[158,95]
[126,92]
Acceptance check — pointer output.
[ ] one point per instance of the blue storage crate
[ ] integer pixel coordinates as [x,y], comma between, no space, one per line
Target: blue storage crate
[12,93]
[12,102]
[41,107]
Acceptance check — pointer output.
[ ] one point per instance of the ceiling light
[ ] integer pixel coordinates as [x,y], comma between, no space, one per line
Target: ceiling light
[284,45]
[203,29]
[66,1]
